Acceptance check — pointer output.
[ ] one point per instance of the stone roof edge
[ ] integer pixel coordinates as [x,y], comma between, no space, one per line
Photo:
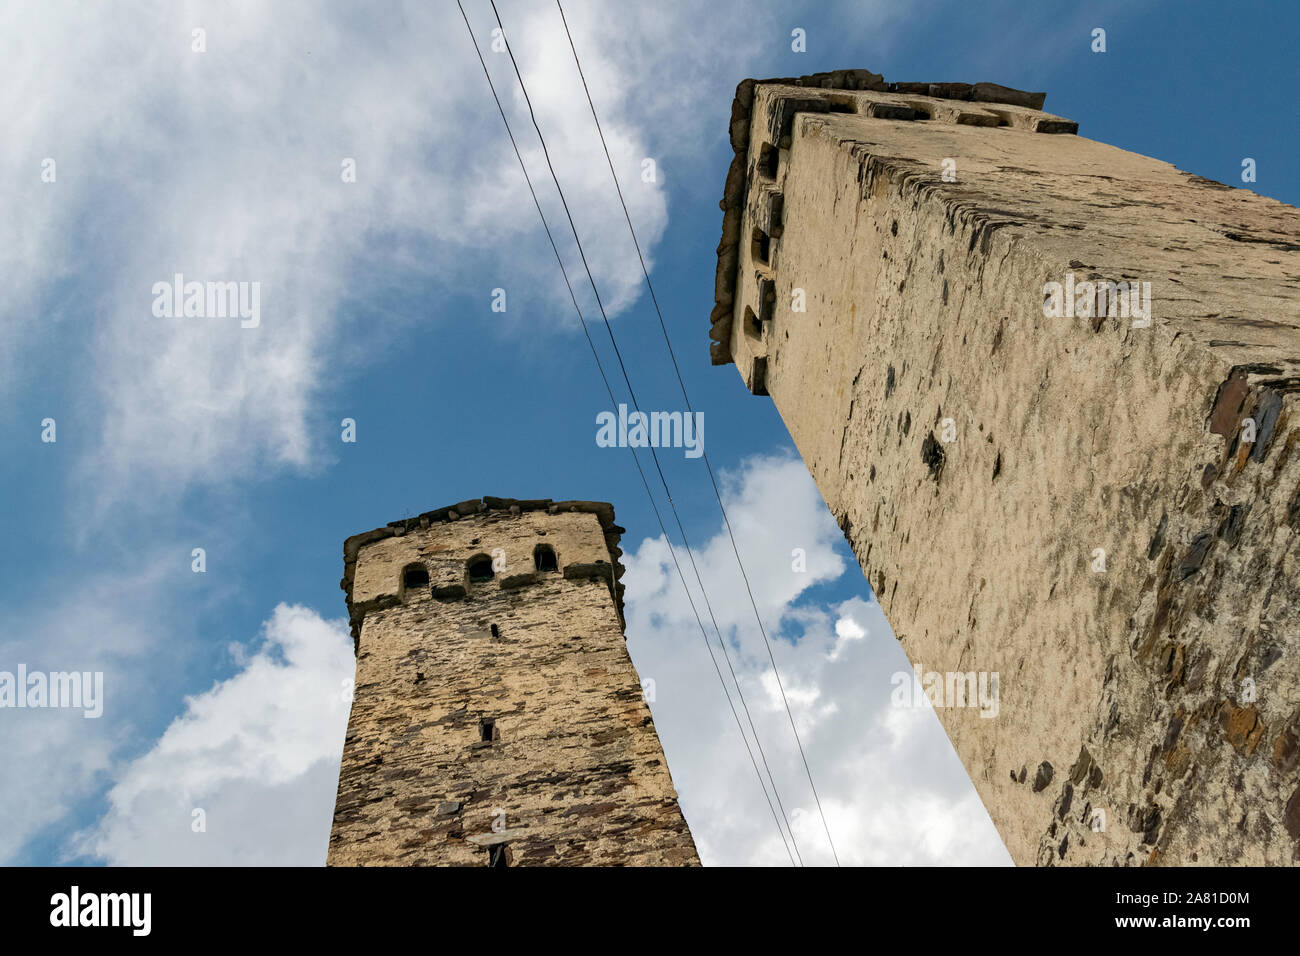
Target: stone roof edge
[488,504]
[732,203]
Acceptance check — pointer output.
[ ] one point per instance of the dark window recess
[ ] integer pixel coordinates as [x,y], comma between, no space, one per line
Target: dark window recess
[496,631]
[758,377]
[753,325]
[480,569]
[768,158]
[544,558]
[892,111]
[776,215]
[415,577]
[766,300]
[498,855]
[762,246]
[452,592]
[487,730]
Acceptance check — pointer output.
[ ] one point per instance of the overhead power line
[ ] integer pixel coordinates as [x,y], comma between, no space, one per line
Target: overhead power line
[645,483]
[690,554]
[672,355]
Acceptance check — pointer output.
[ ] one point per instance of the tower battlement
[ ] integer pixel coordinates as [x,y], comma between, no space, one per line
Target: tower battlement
[775,102]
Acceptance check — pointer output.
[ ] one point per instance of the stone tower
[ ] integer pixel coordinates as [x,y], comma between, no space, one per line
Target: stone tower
[497,717]
[1049,470]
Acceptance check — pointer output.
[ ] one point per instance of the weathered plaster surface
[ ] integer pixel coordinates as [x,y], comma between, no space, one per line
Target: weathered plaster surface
[1126,690]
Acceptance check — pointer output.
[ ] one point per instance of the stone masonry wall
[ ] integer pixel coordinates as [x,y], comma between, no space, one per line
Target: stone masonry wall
[571,771]
[1163,691]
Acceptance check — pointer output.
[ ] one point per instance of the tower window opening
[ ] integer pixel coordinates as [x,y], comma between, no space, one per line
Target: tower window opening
[544,558]
[496,631]
[768,158]
[762,246]
[480,569]
[487,730]
[766,301]
[753,325]
[415,576]
[498,855]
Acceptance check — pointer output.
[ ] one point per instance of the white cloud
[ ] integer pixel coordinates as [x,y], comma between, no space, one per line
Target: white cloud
[892,789]
[61,755]
[771,516]
[846,630]
[84,623]
[259,754]
[225,165]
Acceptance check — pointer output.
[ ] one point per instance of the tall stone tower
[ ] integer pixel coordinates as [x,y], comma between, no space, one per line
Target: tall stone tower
[497,717]
[1049,470]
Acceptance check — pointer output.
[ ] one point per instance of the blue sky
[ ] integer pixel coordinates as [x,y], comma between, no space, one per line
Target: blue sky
[174,434]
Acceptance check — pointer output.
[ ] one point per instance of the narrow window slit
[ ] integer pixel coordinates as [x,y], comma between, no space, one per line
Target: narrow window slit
[766,300]
[775,215]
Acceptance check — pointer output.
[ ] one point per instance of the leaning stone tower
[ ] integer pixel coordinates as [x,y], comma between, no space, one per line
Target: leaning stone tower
[497,717]
[1051,391]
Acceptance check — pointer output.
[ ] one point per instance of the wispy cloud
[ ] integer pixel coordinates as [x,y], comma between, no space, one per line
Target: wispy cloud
[229,165]
[84,623]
